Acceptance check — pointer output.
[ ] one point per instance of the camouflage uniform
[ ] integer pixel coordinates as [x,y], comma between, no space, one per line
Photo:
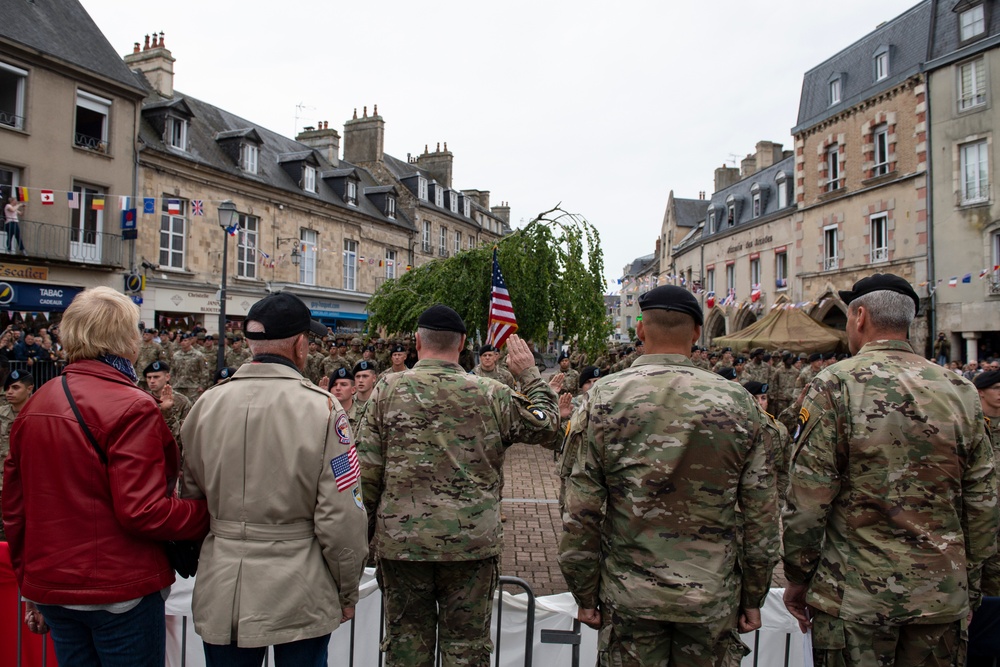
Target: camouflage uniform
[148,353]
[499,374]
[783,393]
[334,362]
[991,569]
[176,415]
[805,376]
[431,444]
[571,381]
[892,506]
[235,359]
[189,372]
[633,544]
[314,367]
[755,372]
[6,421]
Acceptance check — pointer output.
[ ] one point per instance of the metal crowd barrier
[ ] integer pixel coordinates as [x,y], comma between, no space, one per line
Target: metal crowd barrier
[42,371]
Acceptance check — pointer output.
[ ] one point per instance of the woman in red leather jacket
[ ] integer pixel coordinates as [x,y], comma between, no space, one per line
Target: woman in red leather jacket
[86,525]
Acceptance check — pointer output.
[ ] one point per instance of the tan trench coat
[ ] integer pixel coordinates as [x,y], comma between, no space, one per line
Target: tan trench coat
[287,549]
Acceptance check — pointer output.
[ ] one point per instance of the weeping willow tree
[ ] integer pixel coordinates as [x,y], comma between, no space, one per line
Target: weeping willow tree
[554,269]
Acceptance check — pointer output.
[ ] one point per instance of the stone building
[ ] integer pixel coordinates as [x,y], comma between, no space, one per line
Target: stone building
[963,70]
[447,220]
[861,168]
[309,223]
[68,110]
[680,218]
[638,276]
[738,259]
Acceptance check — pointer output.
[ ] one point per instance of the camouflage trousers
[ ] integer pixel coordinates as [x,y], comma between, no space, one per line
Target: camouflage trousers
[451,600]
[990,584]
[840,643]
[631,642]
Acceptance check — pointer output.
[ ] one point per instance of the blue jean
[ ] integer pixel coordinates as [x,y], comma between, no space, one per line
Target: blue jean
[303,653]
[137,638]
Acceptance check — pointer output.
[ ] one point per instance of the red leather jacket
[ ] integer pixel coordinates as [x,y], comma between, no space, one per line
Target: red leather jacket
[81,532]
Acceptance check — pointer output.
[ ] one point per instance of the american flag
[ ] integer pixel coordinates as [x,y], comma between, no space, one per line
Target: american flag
[197,207]
[502,320]
[346,469]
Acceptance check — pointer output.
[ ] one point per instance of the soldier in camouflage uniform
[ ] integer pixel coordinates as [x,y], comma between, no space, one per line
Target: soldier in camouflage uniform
[431,445]
[174,406]
[18,387]
[354,355]
[988,385]
[314,362]
[336,360]
[365,377]
[892,505]
[756,370]
[397,360]
[238,353]
[149,351]
[807,373]
[190,369]
[571,377]
[782,392]
[341,385]
[488,367]
[669,585]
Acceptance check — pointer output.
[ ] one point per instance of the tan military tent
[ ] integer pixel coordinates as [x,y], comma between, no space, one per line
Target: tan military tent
[786,329]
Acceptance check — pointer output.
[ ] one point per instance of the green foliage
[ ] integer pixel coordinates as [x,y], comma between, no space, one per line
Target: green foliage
[554,270]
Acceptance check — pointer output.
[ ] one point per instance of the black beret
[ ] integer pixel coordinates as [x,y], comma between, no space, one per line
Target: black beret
[365,365]
[19,376]
[755,388]
[589,373]
[695,348]
[727,372]
[879,282]
[341,374]
[487,348]
[563,355]
[224,373]
[757,351]
[441,318]
[766,358]
[741,360]
[671,297]
[188,335]
[816,356]
[341,343]
[148,330]
[639,343]
[986,380]
[398,348]
[156,367]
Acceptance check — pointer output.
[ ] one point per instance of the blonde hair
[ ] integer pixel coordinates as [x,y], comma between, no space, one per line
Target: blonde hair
[100,321]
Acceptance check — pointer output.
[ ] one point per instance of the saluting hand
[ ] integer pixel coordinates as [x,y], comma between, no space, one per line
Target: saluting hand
[519,355]
[166,398]
[556,383]
[565,405]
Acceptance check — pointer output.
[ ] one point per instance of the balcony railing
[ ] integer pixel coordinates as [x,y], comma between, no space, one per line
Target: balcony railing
[831,264]
[995,286]
[426,247]
[91,143]
[11,119]
[63,244]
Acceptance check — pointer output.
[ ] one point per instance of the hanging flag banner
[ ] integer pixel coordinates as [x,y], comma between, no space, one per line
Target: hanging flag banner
[48,197]
[197,207]
[97,203]
[502,322]
[124,203]
[174,206]
[74,199]
[148,205]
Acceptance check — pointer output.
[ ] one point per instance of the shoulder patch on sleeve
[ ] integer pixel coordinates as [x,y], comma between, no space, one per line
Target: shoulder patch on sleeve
[800,423]
[537,413]
[343,428]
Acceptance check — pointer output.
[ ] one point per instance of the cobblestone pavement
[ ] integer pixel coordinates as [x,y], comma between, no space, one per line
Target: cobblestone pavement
[531,533]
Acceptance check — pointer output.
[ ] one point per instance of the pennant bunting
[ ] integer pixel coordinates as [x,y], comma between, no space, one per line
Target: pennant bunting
[48,197]
[148,205]
[197,207]
[22,194]
[124,203]
[74,199]
[97,203]
[174,206]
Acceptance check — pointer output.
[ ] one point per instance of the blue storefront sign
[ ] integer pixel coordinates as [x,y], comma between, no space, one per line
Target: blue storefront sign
[34,297]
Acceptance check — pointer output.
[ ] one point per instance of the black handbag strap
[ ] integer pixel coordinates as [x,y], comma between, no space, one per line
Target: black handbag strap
[76,411]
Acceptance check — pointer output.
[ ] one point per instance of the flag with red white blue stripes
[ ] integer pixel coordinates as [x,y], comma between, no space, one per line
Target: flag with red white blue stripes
[502,320]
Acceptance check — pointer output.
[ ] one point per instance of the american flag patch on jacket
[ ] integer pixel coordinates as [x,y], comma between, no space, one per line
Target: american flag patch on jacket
[346,469]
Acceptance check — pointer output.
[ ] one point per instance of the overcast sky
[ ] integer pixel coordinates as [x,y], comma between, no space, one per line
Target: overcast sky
[605,107]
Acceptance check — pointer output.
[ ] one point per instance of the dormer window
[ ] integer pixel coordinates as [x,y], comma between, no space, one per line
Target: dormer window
[390,208]
[835,91]
[248,158]
[730,211]
[422,188]
[882,63]
[309,179]
[351,194]
[177,133]
[453,201]
[467,207]
[712,228]
[782,187]
[972,22]
[758,202]
[438,195]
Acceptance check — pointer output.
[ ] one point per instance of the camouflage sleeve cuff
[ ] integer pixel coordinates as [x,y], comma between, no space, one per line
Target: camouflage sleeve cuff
[795,574]
[528,374]
[755,588]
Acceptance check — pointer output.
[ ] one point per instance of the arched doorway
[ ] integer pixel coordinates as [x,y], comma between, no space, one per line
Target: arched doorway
[715,325]
[831,312]
[745,318]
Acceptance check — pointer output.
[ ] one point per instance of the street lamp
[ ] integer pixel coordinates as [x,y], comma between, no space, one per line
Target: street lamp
[296,255]
[227,218]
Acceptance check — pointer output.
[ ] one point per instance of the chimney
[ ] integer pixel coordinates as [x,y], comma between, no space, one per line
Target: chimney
[364,138]
[502,211]
[657,253]
[322,139]
[481,197]
[156,63]
[726,176]
[748,166]
[768,153]
[437,164]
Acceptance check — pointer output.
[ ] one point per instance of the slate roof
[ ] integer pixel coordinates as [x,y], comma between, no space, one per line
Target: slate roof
[742,194]
[945,46]
[689,212]
[210,123]
[907,38]
[65,31]
[403,170]
[640,264]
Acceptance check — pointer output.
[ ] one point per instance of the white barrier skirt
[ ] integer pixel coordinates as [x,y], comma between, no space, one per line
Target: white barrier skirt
[552,612]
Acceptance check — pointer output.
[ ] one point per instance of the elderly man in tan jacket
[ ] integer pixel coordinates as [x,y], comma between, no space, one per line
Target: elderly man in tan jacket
[274,456]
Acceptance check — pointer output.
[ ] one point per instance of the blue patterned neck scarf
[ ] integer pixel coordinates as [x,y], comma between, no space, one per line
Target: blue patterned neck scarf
[121,365]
